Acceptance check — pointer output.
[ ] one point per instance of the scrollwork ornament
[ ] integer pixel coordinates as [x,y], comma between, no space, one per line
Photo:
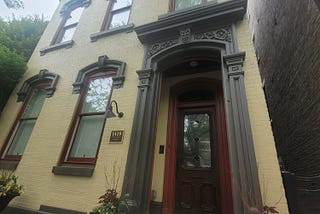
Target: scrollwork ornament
[157,47]
[223,34]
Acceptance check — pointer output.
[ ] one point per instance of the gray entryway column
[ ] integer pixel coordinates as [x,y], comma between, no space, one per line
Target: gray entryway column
[139,161]
[244,167]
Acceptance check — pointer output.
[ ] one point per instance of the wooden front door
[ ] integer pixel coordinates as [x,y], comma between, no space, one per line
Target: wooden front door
[197,174]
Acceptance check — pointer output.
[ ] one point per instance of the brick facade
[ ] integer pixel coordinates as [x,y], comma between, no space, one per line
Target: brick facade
[287,43]
[286,37]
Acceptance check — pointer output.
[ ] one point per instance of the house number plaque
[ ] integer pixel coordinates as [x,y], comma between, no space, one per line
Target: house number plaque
[116,136]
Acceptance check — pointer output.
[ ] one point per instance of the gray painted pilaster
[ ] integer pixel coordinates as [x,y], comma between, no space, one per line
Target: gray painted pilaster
[139,162]
[244,167]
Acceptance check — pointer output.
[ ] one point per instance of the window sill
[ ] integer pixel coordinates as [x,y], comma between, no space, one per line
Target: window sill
[126,28]
[9,165]
[73,170]
[67,44]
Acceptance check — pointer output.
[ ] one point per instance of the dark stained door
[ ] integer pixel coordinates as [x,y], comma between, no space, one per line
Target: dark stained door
[197,184]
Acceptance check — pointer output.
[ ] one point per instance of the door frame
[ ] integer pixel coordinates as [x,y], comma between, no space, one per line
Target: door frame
[225,178]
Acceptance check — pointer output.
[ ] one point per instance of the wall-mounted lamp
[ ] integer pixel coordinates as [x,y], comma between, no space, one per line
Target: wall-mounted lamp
[110,113]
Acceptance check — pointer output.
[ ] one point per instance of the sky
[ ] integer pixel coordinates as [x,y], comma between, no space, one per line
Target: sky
[31,7]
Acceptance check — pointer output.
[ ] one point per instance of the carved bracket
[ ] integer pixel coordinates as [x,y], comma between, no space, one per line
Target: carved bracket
[234,63]
[144,77]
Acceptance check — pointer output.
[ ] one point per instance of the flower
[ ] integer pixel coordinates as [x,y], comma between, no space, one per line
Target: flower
[109,203]
[8,184]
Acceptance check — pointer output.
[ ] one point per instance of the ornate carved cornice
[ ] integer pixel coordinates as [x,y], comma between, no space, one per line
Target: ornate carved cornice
[223,34]
[186,35]
[44,75]
[159,46]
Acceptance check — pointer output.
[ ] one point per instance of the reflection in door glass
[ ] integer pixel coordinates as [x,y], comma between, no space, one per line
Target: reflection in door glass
[196,137]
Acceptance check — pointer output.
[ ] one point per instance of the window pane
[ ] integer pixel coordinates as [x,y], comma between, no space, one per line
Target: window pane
[88,136]
[68,33]
[97,95]
[196,147]
[181,4]
[21,138]
[74,16]
[121,3]
[119,19]
[35,103]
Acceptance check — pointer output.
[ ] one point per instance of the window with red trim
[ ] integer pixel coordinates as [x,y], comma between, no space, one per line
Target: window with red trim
[117,14]
[25,122]
[88,123]
[67,29]
[71,13]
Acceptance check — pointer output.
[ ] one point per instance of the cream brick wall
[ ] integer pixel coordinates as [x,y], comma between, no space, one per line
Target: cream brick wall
[41,186]
[268,167]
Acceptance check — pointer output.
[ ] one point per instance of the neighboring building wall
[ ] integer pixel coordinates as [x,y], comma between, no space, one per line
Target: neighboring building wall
[287,43]
[287,38]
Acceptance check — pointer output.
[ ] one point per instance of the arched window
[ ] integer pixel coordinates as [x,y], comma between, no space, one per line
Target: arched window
[95,84]
[33,93]
[71,13]
[88,123]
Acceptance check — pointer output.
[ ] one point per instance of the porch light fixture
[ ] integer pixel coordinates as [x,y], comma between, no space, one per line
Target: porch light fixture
[110,113]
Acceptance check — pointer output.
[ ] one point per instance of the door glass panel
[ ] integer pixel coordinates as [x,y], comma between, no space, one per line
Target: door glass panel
[196,140]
